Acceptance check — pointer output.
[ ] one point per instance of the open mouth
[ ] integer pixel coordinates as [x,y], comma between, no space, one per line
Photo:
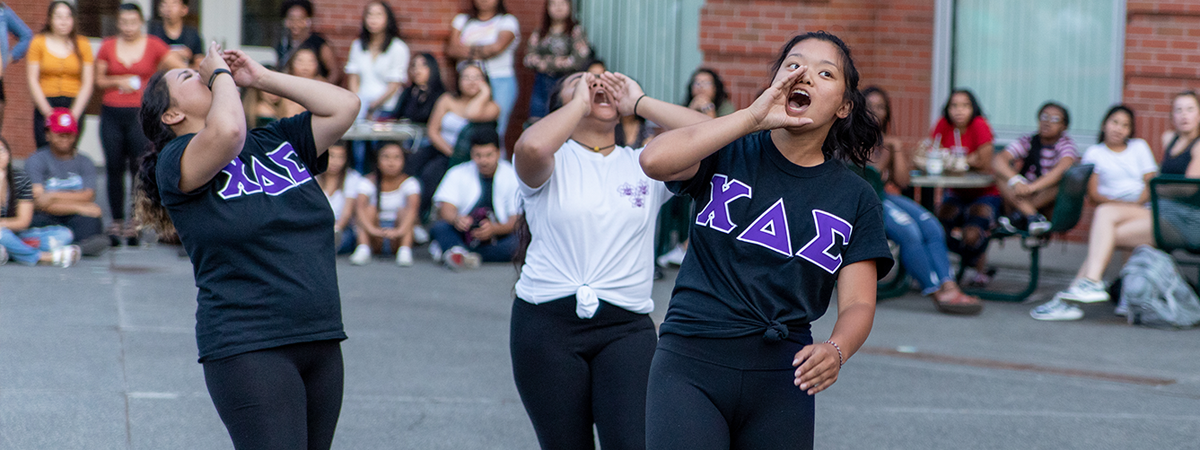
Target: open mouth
[600,97]
[798,101]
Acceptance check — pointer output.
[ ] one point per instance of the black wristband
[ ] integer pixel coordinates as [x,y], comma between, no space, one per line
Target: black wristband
[213,77]
[635,104]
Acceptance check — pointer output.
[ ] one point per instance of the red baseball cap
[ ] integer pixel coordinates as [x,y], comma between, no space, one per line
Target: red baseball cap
[62,122]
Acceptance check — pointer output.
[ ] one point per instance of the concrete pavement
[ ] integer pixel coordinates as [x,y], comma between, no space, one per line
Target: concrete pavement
[102,356]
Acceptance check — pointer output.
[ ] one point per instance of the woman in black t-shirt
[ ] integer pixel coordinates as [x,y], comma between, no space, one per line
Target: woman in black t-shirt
[256,226]
[781,220]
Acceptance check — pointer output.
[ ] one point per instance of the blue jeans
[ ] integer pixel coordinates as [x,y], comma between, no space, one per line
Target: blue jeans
[22,252]
[921,239]
[500,250]
[539,102]
[504,93]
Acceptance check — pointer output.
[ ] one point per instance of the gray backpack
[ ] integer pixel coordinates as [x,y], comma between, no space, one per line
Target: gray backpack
[1156,293]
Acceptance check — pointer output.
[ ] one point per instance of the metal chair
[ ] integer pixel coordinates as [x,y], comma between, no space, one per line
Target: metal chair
[1068,208]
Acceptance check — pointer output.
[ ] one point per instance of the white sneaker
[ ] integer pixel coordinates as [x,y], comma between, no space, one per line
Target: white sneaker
[458,258]
[1038,225]
[67,256]
[404,257]
[420,235]
[1056,309]
[1083,290]
[435,250]
[673,257]
[3,256]
[361,255]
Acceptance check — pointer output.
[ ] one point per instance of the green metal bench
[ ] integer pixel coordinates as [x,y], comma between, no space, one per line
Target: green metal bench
[1068,208]
[1175,207]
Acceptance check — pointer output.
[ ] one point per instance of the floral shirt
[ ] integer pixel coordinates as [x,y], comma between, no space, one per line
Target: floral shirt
[558,53]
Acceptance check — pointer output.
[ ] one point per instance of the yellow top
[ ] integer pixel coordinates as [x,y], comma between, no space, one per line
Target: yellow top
[59,77]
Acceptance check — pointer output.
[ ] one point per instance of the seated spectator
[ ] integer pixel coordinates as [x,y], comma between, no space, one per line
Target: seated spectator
[303,64]
[298,33]
[557,49]
[451,114]
[185,40]
[64,185]
[477,207]
[913,228]
[340,184]
[1028,170]
[1180,153]
[388,200]
[418,99]
[707,94]
[968,214]
[1123,167]
[29,246]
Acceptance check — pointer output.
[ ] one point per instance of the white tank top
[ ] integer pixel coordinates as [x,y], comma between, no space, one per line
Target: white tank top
[452,125]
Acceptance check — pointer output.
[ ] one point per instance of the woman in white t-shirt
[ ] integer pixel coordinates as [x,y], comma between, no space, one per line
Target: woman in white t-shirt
[340,184]
[378,63]
[489,33]
[1124,166]
[581,339]
[388,200]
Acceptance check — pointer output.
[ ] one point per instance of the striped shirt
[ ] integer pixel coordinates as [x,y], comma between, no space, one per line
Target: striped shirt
[1051,154]
[19,188]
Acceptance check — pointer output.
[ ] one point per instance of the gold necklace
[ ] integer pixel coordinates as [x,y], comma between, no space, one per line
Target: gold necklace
[595,149]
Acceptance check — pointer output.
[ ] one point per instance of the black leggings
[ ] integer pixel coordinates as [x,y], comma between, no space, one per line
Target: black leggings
[572,373]
[123,141]
[429,166]
[280,398]
[39,121]
[726,394]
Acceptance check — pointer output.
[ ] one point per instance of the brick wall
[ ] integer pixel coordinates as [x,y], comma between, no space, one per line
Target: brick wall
[891,41]
[18,109]
[425,27]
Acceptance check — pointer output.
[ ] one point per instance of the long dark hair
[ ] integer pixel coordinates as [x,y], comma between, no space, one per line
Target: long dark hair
[73,36]
[436,85]
[1132,122]
[147,207]
[718,85]
[379,173]
[391,30]
[887,106]
[976,110]
[473,11]
[546,20]
[854,137]
[1053,104]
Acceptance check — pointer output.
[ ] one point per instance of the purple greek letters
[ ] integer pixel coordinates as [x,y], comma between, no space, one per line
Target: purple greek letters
[716,213]
[770,229]
[262,178]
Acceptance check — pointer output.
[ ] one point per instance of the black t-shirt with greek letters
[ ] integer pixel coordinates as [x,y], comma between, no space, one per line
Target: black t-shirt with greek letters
[768,241]
[259,237]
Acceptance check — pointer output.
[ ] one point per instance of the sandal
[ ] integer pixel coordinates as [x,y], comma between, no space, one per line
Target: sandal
[960,304]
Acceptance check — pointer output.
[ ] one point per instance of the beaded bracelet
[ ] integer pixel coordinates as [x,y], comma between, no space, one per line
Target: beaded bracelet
[839,350]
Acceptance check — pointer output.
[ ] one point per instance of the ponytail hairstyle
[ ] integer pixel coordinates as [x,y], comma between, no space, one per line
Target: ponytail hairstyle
[853,138]
[147,205]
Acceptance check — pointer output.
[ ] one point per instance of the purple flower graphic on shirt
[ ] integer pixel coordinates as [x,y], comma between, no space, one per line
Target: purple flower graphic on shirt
[637,194]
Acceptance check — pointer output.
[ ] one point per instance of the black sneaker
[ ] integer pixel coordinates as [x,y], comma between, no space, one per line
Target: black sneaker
[1038,225]
[94,246]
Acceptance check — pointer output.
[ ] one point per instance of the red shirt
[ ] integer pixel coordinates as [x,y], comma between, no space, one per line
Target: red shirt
[144,68]
[978,133]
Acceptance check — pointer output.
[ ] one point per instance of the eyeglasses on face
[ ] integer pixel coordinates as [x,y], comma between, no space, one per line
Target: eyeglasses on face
[1050,118]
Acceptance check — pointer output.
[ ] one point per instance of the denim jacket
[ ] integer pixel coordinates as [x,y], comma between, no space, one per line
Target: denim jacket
[10,23]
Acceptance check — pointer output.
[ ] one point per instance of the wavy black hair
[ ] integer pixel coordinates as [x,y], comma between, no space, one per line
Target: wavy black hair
[473,11]
[1053,104]
[854,137]
[721,95]
[1109,114]
[976,111]
[147,205]
[306,5]
[390,30]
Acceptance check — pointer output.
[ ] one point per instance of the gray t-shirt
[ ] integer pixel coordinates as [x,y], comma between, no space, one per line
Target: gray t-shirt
[54,174]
